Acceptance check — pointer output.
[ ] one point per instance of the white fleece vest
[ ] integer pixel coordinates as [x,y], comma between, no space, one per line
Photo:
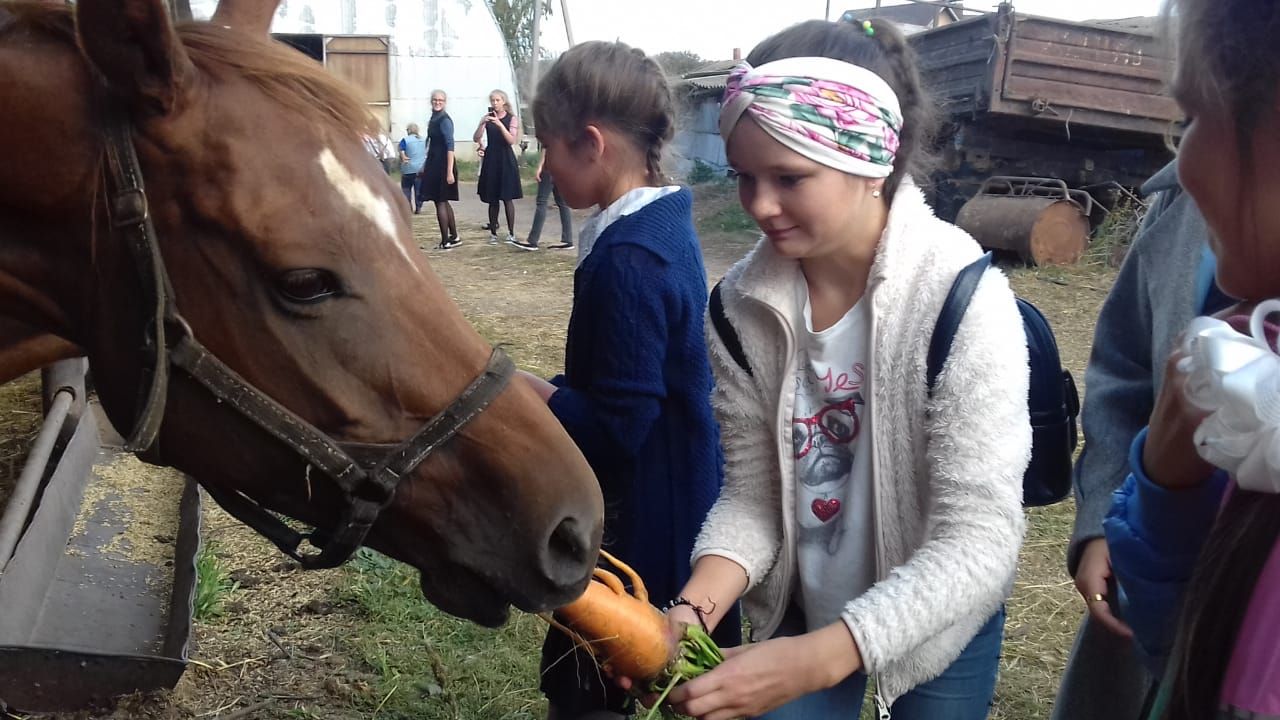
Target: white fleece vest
[947,471]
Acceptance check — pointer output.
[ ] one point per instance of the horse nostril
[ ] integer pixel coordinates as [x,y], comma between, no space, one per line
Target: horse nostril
[567,556]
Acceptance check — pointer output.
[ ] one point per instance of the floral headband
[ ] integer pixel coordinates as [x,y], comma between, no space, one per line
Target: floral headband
[832,112]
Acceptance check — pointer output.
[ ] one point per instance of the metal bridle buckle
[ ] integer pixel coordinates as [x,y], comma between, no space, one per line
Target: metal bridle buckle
[129,208]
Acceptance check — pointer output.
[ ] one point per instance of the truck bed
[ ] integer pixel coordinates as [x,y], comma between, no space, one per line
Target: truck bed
[1091,77]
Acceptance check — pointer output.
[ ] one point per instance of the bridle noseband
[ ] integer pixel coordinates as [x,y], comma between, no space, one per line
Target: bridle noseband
[366,487]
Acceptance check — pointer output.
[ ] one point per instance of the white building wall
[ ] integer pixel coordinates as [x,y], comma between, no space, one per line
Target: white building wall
[454,45]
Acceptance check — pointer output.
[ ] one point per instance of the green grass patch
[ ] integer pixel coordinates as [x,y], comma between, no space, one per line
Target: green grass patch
[703,173]
[731,219]
[466,170]
[212,584]
[717,209]
[426,665]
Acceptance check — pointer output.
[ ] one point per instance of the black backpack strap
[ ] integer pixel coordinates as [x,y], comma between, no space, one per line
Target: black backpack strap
[725,330]
[944,332]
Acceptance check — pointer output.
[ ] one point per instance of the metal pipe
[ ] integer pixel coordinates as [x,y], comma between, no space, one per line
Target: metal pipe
[536,54]
[24,493]
[568,27]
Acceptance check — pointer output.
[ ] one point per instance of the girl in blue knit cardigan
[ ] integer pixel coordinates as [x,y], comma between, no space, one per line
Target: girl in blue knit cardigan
[636,391]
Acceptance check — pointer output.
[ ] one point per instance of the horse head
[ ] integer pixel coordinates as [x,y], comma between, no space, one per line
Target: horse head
[291,260]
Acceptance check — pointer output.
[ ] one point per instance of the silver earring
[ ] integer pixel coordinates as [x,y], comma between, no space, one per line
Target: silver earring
[875,193]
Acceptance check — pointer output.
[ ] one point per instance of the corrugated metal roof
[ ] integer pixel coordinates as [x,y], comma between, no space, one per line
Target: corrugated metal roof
[711,82]
[707,79]
[715,67]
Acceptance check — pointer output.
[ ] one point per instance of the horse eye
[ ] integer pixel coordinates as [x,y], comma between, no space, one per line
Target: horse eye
[307,286]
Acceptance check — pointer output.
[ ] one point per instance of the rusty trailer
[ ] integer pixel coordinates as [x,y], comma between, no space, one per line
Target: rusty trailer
[1027,96]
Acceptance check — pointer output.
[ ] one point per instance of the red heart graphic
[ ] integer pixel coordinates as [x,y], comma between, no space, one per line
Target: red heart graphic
[824,510]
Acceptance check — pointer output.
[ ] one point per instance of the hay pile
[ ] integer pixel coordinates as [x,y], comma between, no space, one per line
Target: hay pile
[20,416]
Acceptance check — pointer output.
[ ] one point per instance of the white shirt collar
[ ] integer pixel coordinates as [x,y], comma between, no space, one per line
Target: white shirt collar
[629,203]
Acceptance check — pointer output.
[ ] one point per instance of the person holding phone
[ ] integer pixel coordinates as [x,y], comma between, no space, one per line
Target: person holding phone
[499,182]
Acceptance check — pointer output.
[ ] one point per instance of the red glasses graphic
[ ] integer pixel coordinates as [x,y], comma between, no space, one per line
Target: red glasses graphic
[837,421]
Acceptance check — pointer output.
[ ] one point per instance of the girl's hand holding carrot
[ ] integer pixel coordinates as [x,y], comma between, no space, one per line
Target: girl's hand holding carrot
[748,682]
[632,639]
[679,619]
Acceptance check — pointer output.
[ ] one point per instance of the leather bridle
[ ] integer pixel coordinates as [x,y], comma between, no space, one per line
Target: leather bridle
[366,487]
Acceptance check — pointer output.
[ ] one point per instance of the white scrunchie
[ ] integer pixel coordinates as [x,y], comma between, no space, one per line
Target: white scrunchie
[1236,378]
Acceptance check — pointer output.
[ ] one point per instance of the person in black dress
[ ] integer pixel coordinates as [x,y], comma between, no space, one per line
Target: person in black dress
[439,180]
[499,171]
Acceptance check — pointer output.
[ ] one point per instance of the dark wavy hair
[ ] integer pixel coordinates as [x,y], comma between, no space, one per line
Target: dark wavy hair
[886,53]
[1228,57]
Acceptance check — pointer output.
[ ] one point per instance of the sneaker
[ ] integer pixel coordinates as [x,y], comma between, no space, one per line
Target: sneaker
[493,239]
[450,243]
[561,246]
[513,242]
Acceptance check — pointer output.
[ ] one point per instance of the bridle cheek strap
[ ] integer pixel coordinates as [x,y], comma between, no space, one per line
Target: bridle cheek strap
[366,488]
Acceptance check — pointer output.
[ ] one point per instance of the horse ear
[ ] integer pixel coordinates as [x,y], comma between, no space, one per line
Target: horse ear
[133,45]
[249,16]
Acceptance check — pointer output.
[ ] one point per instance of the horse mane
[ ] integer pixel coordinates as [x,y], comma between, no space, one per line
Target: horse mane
[290,78]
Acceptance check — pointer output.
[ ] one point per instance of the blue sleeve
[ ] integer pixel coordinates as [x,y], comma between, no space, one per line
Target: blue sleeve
[1155,535]
[403,147]
[446,128]
[611,419]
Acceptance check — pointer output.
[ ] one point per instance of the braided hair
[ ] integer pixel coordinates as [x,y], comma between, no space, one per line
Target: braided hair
[611,84]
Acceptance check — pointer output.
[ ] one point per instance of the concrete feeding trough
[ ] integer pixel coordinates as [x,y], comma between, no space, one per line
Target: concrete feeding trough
[97,563]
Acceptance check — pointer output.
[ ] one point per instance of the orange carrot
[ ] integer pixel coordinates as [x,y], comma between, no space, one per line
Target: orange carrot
[626,634]
[630,637]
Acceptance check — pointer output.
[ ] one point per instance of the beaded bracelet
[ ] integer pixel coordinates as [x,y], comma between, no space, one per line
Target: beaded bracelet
[697,610]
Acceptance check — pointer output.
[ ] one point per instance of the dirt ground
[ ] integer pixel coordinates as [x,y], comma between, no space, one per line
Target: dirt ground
[282,646]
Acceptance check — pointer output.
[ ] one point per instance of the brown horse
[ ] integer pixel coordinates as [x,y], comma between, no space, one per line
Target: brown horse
[291,259]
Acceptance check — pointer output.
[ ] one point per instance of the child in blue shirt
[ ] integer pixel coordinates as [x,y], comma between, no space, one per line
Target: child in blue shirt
[636,391]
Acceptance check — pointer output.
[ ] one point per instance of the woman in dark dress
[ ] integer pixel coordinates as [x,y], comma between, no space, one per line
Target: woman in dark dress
[439,182]
[499,171]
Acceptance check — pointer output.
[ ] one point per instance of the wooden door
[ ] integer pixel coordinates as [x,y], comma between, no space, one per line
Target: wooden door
[364,62]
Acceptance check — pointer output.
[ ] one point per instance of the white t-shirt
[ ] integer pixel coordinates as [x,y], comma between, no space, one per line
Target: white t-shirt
[831,446]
